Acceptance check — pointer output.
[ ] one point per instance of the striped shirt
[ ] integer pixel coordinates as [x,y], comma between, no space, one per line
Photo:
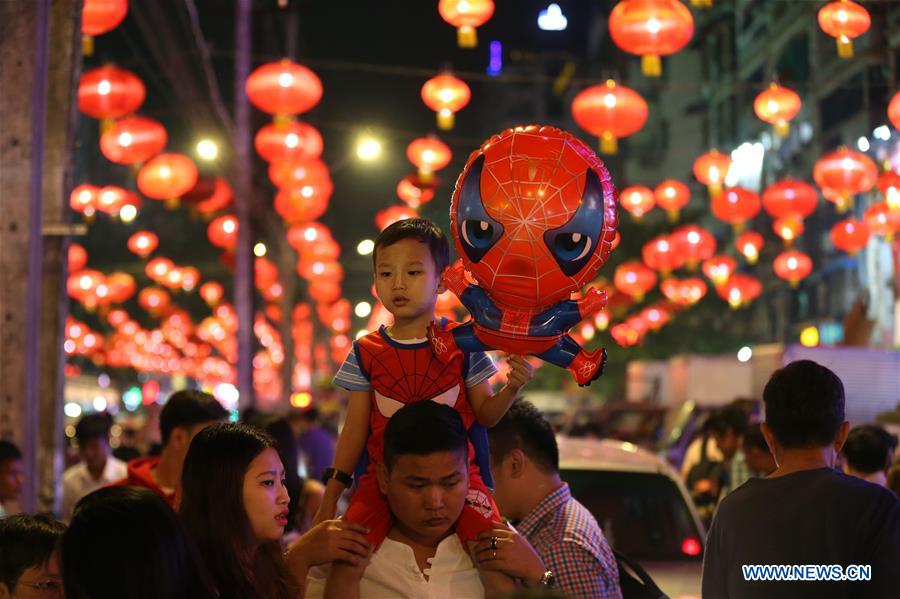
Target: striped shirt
[571,544]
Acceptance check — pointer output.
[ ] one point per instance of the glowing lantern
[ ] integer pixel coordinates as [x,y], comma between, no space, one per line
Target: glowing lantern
[154,300]
[223,232]
[133,140]
[446,95]
[883,220]
[637,200]
[634,279]
[83,284]
[693,244]
[792,266]
[788,228]
[167,177]
[609,111]
[220,199]
[304,238]
[735,206]
[289,141]
[77,257]
[98,17]
[749,244]
[120,287]
[650,29]
[190,276]
[429,154]
[283,88]
[110,199]
[624,335]
[740,290]
[845,173]
[684,293]
[719,269]
[325,291]
[301,174]
[844,20]
[660,253]
[655,317]
[212,293]
[84,199]
[323,271]
[158,268]
[894,111]
[777,105]
[143,243]
[109,92]
[850,235]
[889,186]
[711,169]
[466,15]
[672,196]
[790,198]
[389,216]
[296,207]
[413,193]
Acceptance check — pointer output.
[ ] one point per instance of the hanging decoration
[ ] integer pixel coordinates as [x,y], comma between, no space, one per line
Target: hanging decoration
[661,253]
[711,169]
[844,20]
[790,197]
[223,231]
[672,195]
[740,290]
[133,140]
[610,112]
[108,92]
[749,244]
[850,235]
[788,228]
[143,243]
[777,105]
[288,141]
[693,244]
[428,154]
[634,279]
[845,173]
[98,17]
[167,177]
[893,111]
[637,200]
[735,206]
[414,192]
[283,89]
[466,15]
[650,29]
[719,269]
[446,95]
[792,266]
[387,217]
[883,220]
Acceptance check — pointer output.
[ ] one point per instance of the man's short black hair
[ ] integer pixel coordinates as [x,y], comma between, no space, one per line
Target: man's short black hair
[423,428]
[753,437]
[524,427]
[804,405]
[731,417]
[8,451]
[188,408]
[869,449]
[419,229]
[93,426]
[26,542]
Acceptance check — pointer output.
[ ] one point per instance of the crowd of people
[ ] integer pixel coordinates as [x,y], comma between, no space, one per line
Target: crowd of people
[454,490]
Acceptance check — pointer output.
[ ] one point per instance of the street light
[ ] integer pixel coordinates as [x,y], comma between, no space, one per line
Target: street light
[368,148]
[259,250]
[365,247]
[363,309]
[207,149]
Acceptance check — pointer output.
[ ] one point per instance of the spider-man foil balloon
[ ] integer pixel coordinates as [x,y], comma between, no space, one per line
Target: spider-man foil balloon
[533,218]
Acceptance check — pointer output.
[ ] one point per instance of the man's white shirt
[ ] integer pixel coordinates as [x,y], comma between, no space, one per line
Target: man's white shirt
[77,482]
[393,573]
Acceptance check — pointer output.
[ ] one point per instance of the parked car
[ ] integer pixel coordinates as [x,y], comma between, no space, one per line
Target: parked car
[642,506]
[639,423]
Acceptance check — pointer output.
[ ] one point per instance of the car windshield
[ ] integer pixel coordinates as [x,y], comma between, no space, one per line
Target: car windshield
[643,515]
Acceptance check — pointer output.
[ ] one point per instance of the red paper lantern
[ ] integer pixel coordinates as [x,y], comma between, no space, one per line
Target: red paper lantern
[672,196]
[844,20]
[845,173]
[446,95]
[190,276]
[790,198]
[792,266]
[325,291]
[850,235]
[158,268]
[624,335]
[167,177]
[894,111]
[740,290]
[883,220]
[412,191]
[77,257]
[711,169]
[650,29]
[320,271]
[83,284]
[133,140]
[683,293]
[777,105]
[749,244]
[212,293]
[655,317]
[387,217]
[634,279]
[219,200]
[84,199]
[719,269]
[637,200]
[110,199]
[223,232]
[736,205]
[312,174]
[109,92]
[609,111]
[283,88]
[143,243]
[466,15]
[693,244]
[428,154]
[889,186]
[660,253]
[289,141]
[154,300]
[297,206]
[788,228]
[120,287]
[98,17]
[305,237]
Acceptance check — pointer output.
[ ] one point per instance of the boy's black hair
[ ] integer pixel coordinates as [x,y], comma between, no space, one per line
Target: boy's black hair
[804,405]
[93,426]
[423,428]
[753,437]
[26,542]
[188,408]
[732,417]
[419,229]
[524,427]
[869,448]
[8,451]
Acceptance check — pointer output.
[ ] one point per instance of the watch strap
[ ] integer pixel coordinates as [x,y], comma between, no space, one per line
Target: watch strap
[338,475]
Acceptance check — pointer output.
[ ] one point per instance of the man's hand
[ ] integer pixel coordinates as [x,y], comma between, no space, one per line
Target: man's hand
[513,556]
[520,372]
[329,541]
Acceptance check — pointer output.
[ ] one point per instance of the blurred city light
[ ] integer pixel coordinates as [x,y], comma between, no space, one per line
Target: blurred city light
[207,149]
[552,19]
[744,354]
[365,247]
[368,148]
[259,250]
[363,309]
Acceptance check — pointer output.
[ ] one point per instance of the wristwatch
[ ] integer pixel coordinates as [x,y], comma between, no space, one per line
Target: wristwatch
[338,475]
[547,579]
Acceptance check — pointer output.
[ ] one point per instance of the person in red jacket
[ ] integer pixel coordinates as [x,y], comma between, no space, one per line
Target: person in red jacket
[185,414]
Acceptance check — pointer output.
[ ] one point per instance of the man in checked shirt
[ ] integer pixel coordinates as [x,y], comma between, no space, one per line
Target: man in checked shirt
[530,493]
